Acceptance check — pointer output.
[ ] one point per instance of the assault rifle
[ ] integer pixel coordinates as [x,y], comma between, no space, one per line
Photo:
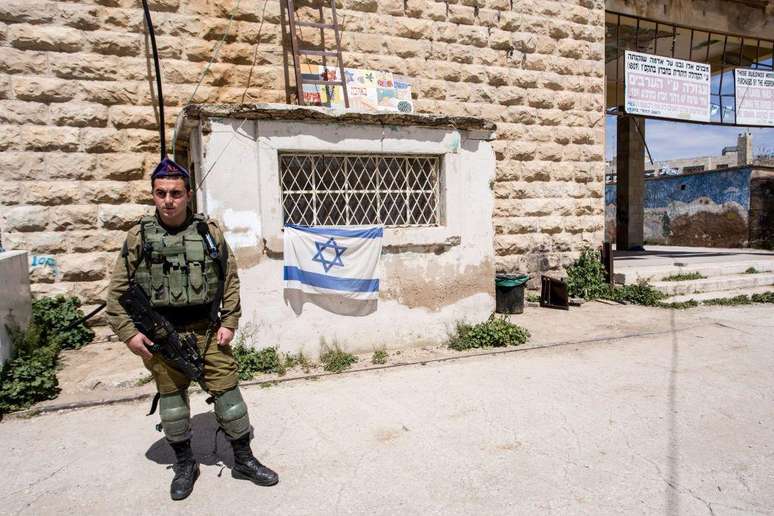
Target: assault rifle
[179,353]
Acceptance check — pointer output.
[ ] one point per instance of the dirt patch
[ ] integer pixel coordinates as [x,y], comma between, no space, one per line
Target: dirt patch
[706,229]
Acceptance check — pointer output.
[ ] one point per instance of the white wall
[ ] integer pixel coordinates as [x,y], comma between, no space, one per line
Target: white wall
[15,301]
[430,277]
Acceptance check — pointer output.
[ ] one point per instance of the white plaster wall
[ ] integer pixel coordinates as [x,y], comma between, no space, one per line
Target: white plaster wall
[16,300]
[430,277]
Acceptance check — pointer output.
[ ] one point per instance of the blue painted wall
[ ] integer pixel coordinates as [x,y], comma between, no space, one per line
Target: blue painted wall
[710,208]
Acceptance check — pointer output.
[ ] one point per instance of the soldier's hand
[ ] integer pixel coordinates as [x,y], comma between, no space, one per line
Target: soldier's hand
[139,346]
[225,336]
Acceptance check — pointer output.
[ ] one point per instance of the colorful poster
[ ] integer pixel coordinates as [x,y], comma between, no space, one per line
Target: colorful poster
[668,88]
[754,97]
[368,90]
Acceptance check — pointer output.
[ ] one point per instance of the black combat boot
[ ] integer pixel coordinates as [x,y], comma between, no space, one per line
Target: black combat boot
[247,467]
[186,471]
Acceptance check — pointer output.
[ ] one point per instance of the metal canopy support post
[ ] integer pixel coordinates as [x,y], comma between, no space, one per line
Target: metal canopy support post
[630,189]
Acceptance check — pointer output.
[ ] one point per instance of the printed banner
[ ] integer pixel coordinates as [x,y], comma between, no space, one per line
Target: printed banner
[368,90]
[333,260]
[754,97]
[668,88]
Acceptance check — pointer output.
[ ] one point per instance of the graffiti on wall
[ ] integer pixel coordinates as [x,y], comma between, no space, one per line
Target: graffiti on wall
[707,210]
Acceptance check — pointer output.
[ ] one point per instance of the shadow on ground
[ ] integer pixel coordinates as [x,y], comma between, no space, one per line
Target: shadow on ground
[210,447]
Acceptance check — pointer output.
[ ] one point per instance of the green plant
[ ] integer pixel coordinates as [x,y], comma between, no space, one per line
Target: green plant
[51,315]
[495,332]
[379,356]
[586,276]
[533,297]
[30,375]
[638,294]
[685,276]
[253,361]
[730,301]
[144,380]
[335,360]
[680,305]
[751,270]
[28,378]
[764,297]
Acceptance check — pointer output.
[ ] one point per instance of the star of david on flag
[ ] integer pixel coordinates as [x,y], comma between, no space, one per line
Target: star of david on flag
[333,260]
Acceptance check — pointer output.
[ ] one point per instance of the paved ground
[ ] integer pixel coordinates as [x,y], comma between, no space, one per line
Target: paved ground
[676,421]
[661,256]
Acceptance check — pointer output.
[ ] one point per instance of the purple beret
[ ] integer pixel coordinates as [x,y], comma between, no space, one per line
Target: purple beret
[168,168]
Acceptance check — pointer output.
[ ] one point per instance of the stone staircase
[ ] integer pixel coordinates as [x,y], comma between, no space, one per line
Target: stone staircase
[719,280]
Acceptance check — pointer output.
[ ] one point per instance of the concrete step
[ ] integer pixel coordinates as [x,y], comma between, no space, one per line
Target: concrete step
[714,284]
[708,270]
[723,294]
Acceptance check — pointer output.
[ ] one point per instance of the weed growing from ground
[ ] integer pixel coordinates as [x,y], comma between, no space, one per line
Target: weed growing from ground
[751,270]
[730,301]
[586,276]
[495,332]
[253,361]
[639,294]
[680,305]
[685,276]
[335,360]
[144,380]
[533,297]
[379,357]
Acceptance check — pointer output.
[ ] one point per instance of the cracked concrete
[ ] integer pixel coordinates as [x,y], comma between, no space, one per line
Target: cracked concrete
[677,421]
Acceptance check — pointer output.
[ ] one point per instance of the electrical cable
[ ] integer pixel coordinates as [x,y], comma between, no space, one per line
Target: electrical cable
[160,94]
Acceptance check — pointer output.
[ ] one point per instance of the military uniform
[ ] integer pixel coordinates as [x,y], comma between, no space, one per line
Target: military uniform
[182,282]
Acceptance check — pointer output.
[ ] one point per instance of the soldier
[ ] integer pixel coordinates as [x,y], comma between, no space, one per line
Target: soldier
[166,254]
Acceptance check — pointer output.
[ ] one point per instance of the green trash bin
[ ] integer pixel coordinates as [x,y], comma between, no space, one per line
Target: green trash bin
[509,293]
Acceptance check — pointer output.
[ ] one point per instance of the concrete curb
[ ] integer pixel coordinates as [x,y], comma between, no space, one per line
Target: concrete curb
[32,412]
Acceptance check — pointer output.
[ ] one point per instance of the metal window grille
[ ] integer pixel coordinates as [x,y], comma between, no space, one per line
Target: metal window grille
[359,189]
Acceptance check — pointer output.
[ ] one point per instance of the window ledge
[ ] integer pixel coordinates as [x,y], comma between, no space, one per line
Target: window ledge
[396,240]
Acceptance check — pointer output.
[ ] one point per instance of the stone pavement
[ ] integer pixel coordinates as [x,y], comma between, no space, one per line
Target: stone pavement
[668,418]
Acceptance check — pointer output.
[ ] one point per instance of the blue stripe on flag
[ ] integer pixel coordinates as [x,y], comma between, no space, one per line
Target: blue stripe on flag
[375,232]
[331,282]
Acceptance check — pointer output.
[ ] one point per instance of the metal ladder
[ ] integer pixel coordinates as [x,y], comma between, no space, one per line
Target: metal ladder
[290,35]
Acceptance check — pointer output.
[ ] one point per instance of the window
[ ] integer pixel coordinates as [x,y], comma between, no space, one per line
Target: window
[691,170]
[353,189]
[722,165]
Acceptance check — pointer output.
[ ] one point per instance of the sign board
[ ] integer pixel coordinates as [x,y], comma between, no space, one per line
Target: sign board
[368,90]
[667,88]
[754,97]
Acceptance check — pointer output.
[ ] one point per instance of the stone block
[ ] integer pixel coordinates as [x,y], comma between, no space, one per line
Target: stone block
[41,242]
[411,28]
[392,7]
[20,166]
[83,17]
[102,240]
[475,36]
[108,192]
[49,38]
[48,138]
[362,5]
[79,114]
[407,47]
[121,217]
[115,43]
[15,61]
[77,217]
[19,11]
[133,116]
[10,192]
[121,167]
[145,140]
[96,67]
[5,87]
[83,266]
[69,165]
[26,218]
[19,112]
[101,140]
[462,14]
[43,89]
[108,92]
[51,193]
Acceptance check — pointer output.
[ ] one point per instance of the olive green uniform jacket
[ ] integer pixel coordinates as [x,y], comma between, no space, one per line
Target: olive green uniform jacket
[220,368]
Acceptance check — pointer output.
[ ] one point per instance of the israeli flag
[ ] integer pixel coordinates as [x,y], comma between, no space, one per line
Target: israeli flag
[333,260]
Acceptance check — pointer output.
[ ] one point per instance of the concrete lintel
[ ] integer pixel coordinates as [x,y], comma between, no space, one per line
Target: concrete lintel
[192,114]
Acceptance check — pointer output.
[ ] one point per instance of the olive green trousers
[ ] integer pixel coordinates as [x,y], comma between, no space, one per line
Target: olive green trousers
[220,368]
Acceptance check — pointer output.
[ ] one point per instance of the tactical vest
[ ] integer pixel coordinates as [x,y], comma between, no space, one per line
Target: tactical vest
[175,270]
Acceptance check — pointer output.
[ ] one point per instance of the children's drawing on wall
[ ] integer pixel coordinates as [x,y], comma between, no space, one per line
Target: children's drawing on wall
[368,90]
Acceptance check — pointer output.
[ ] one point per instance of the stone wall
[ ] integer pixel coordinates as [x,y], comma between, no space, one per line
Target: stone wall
[77,126]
